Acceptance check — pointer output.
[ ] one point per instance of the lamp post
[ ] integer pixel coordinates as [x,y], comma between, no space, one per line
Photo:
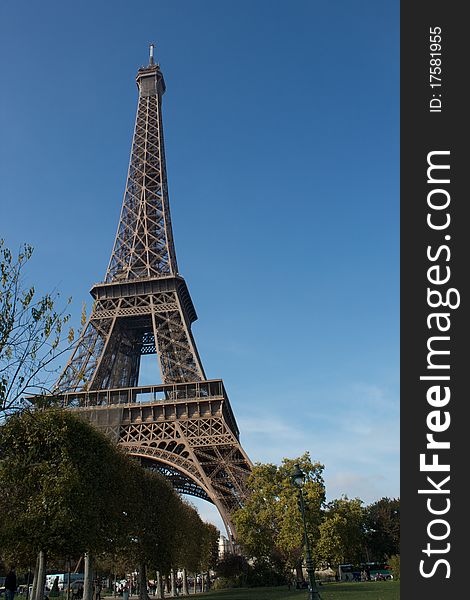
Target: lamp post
[298,478]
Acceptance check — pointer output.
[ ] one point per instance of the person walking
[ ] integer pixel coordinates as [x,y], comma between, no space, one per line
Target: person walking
[10,584]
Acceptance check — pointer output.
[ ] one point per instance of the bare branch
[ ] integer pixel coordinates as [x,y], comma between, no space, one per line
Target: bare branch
[32,333]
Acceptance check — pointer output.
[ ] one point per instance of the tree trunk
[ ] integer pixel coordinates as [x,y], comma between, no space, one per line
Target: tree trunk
[194,582]
[143,593]
[173,583]
[160,586]
[68,578]
[88,578]
[35,579]
[185,583]
[28,583]
[299,574]
[41,577]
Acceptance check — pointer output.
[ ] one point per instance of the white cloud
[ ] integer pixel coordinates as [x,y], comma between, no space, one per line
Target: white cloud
[354,432]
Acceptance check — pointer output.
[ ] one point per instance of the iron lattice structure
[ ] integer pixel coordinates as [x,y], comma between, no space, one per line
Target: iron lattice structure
[183,427]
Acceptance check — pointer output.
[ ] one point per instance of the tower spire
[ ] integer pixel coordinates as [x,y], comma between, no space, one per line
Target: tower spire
[144,241]
[151,49]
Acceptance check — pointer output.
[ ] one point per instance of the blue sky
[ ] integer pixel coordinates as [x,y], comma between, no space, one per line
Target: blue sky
[281,130]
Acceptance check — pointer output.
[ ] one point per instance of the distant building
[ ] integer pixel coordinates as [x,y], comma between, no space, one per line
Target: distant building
[224,546]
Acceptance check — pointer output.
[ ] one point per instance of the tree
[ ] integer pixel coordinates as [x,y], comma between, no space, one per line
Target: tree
[342,533]
[196,543]
[233,568]
[56,496]
[269,525]
[31,332]
[189,539]
[68,490]
[161,532]
[382,523]
[209,554]
[154,517]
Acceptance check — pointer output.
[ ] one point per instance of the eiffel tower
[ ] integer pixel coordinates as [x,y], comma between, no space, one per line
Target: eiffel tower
[183,427]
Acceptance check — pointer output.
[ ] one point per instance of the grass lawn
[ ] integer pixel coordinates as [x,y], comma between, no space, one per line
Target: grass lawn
[372,590]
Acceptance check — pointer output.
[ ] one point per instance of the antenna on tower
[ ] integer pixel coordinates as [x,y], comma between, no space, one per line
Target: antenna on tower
[151,48]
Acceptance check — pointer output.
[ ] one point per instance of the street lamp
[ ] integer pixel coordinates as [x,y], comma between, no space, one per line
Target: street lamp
[298,478]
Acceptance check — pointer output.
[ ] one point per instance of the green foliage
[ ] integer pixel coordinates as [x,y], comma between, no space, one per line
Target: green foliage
[151,510]
[162,531]
[235,571]
[188,539]
[31,332]
[56,495]
[67,489]
[269,525]
[231,571]
[262,574]
[382,524]
[209,548]
[341,533]
[156,528]
[394,563]
[231,566]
